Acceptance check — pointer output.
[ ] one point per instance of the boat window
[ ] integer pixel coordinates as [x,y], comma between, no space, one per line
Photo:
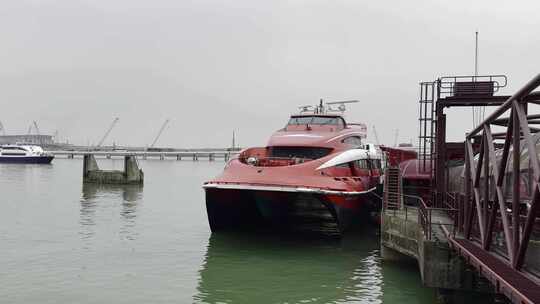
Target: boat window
[367,164]
[355,141]
[363,163]
[13,148]
[299,152]
[316,120]
[300,120]
[324,121]
[375,163]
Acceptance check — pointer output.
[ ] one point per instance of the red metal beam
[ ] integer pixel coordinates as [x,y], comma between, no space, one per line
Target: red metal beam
[467,206]
[531,217]
[515,184]
[476,185]
[524,91]
[500,195]
[488,158]
[533,157]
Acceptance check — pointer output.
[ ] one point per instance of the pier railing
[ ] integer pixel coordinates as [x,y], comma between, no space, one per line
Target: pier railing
[426,216]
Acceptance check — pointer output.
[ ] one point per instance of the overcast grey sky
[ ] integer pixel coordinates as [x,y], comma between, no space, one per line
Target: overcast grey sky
[215,66]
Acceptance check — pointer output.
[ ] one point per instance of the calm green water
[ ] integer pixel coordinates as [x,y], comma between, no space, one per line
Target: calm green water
[65,243]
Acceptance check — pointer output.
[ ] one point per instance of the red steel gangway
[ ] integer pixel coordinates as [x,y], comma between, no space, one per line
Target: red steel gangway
[497,227]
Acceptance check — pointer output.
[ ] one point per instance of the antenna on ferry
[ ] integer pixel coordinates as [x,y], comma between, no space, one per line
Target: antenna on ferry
[341,104]
[476,54]
[305,109]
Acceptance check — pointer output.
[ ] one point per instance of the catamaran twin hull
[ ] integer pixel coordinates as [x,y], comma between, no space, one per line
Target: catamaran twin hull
[315,174]
[277,208]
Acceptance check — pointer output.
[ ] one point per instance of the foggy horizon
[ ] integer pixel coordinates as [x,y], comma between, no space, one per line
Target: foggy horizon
[213,67]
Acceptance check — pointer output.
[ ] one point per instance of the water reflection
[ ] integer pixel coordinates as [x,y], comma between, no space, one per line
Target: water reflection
[13,174]
[96,197]
[270,269]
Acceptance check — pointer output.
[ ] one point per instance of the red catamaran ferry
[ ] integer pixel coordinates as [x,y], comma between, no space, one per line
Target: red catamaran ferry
[315,174]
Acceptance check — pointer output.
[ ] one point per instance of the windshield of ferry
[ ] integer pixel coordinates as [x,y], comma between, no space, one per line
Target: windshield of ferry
[315,120]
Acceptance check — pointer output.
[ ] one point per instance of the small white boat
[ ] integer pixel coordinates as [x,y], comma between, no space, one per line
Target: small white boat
[24,154]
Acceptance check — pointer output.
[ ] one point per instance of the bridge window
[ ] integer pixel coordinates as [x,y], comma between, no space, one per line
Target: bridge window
[375,163]
[354,141]
[316,120]
[300,120]
[299,152]
[363,164]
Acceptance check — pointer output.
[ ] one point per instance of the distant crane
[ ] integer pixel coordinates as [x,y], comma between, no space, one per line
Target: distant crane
[159,132]
[108,131]
[2,127]
[396,138]
[36,127]
[233,139]
[376,136]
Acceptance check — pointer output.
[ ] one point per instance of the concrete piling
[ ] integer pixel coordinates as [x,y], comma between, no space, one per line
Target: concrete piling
[130,175]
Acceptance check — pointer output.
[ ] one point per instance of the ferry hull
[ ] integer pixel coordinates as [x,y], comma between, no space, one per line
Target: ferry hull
[230,209]
[27,159]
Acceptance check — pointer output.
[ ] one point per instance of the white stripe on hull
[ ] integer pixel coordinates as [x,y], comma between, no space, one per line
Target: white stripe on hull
[283,189]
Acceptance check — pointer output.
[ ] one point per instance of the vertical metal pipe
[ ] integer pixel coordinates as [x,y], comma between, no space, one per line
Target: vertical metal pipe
[440,158]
